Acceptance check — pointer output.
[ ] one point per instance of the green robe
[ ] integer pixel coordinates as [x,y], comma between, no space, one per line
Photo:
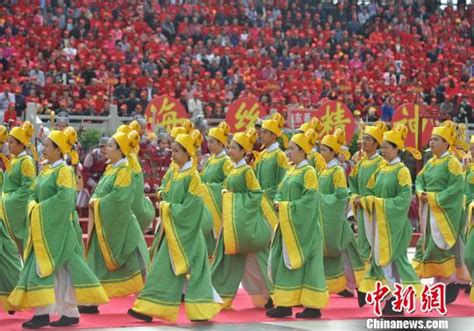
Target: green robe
[317,161]
[116,250]
[52,243]
[340,246]
[469,249]
[388,229]
[142,206]
[358,180]
[10,263]
[213,175]
[243,243]
[17,188]
[439,249]
[181,256]
[296,255]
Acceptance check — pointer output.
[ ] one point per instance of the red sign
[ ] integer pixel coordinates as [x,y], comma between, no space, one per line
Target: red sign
[164,111]
[335,114]
[243,113]
[409,114]
[297,116]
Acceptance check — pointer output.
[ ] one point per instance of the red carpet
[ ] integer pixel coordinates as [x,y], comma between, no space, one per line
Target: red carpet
[114,313]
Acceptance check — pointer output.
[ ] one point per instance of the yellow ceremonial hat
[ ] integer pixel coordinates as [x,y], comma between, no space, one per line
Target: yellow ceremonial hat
[305,140]
[220,133]
[376,131]
[335,140]
[135,125]
[246,139]
[3,134]
[191,142]
[447,131]
[397,136]
[23,133]
[345,151]
[275,124]
[128,143]
[124,129]
[314,124]
[177,130]
[64,139]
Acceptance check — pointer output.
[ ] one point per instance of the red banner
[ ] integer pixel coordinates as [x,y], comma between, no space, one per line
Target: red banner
[409,114]
[243,113]
[297,116]
[164,111]
[335,114]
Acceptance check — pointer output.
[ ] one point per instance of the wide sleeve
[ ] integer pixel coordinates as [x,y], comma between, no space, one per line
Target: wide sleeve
[353,182]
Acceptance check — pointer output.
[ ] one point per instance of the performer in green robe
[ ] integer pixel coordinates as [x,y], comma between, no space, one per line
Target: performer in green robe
[55,277]
[17,184]
[181,258]
[243,243]
[142,207]
[116,250]
[10,262]
[359,177]
[213,175]
[440,189]
[343,265]
[469,192]
[388,228]
[296,256]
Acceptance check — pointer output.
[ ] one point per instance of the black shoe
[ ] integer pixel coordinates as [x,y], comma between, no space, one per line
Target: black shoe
[467,290]
[11,312]
[38,321]
[309,313]
[88,309]
[388,308]
[199,321]
[279,312]
[269,304]
[346,294]
[361,298]
[139,316]
[182,297]
[452,291]
[66,321]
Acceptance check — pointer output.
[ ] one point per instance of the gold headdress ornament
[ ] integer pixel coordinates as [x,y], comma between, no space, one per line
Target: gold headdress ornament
[397,136]
[305,140]
[65,141]
[275,124]
[314,124]
[246,139]
[220,133]
[335,140]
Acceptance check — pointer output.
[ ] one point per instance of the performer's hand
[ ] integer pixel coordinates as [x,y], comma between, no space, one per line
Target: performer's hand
[424,197]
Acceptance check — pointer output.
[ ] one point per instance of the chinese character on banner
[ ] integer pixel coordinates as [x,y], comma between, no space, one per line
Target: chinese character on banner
[434,297]
[298,116]
[243,113]
[165,111]
[335,114]
[409,114]
[377,296]
[404,298]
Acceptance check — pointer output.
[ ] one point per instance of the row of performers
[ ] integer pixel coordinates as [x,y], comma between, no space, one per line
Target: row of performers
[278,230]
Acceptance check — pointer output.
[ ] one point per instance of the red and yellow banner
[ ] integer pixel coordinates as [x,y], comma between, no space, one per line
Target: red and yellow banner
[298,116]
[164,111]
[243,113]
[335,114]
[409,114]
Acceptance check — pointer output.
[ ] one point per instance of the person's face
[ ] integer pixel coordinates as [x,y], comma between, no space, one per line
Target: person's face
[438,145]
[179,155]
[214,146]
[268,137]
[389,152]
[368,143]
[164,144]
[112,151]
[51,151]
[327,153]
[14,146]
[102,149]
[295,153]
[61,126]
[236,153]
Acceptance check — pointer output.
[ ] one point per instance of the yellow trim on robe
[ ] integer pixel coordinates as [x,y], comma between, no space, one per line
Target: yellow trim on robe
[4,217]
[441,219]
[44,260]
[178,256]
[336,284]
[164,311]
[290,238]
[269,212]
[94,295]
[227,303]
[471,295]
[306,296]
[201,310]
[368,285]
[383,233]
[430,269]
[469,223]
[231,242]
[210,203]
[21,299]
[104,246]
[127,286]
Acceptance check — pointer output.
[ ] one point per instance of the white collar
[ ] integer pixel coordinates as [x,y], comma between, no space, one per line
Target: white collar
[186,166]
[273,146]
[445,154]
[315,149]
[221,154]
[22,154]
[119,162]
[302,164]
[57,163]
[374,156]
[395,161]
[331,164]
[240,163]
